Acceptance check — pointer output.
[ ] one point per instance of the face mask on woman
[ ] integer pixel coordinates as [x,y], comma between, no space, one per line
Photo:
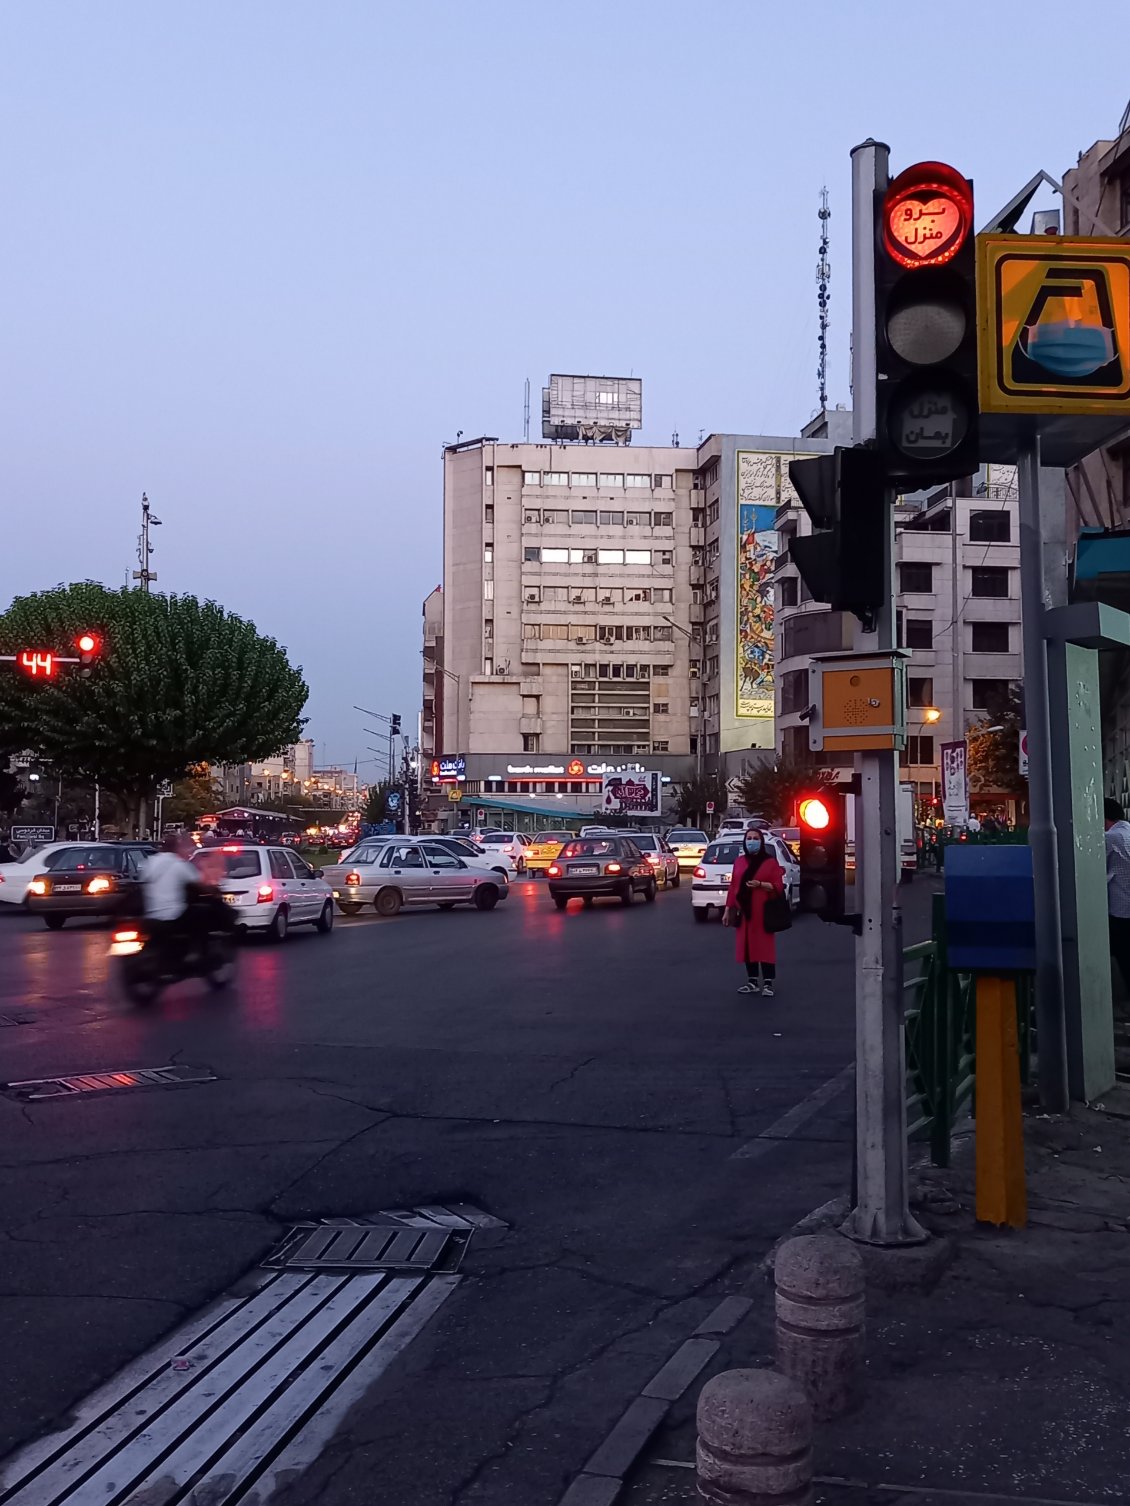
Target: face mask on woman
[754,847]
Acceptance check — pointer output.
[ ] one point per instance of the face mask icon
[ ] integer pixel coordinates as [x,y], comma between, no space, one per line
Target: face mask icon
[1069,334]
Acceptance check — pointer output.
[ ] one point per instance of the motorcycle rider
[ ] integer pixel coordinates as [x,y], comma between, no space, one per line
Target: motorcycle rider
[169,884]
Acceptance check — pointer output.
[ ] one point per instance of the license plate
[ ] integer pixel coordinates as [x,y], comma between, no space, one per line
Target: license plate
[585,869]
[67,889]
[231,899]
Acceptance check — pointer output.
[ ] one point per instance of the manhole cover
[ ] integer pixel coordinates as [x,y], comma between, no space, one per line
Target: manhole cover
[36,1089]
[233,1403]
[369,1247]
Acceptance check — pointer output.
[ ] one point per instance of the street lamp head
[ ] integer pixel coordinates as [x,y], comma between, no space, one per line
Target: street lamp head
[931,714]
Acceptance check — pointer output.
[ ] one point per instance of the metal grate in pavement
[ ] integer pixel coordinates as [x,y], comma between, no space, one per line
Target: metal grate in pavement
[237,1400]
[360,1247]
[36,1089]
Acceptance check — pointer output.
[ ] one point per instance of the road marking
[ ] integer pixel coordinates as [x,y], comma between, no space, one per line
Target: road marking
[798,1115]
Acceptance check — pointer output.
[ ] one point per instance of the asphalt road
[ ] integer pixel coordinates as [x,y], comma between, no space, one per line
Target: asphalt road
[586,1077]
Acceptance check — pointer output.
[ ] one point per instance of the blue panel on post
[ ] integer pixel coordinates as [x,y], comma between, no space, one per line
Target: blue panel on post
[990,910]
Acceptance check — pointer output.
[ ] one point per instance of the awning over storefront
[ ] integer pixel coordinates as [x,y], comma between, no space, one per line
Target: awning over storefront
[563,809]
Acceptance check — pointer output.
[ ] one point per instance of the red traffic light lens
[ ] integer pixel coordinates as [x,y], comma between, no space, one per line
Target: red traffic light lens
[87,643]
[814,814]
[927,215]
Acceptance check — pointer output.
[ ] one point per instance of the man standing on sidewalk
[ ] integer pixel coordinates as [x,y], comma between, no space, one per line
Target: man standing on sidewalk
[1118,885]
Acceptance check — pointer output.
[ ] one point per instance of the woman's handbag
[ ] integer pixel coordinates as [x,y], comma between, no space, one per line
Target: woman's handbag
[776,916]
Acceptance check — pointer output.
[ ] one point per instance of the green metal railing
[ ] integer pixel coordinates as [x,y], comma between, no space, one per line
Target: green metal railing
[940,1027]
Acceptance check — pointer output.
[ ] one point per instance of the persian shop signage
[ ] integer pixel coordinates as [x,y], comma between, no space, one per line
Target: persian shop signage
[574,769]
[449,768]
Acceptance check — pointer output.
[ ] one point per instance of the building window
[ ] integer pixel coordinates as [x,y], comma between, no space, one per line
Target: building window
[611,519]
[794,690]
[555,515]
[580,518]
[532,515]
[989,580]
[988,695]
[488,590]
[916,578]
[661,708]
[555,556]
[531,630]
[637,593]
[531,555]
[786,589]
[608,479]
[488,513]
[531,478]
[582,556]
[920,692]
[638,519]
[662,594]
[531,742]
[664,557]
[637,556]
[712,668]
[660,747]
[919,632]
[990,527]
[918,750]
[583,478]
[488,476]
[662,483]
[695,668]
[990,637]
[712,513]
[630,480]
[663,519]
[488,627]
[488,554]
[555,478]
[488,666]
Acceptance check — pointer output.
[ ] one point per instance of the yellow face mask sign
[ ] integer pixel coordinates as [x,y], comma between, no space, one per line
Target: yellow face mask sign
[1054,325]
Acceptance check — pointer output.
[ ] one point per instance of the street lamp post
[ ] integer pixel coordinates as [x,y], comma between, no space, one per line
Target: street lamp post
[691,637]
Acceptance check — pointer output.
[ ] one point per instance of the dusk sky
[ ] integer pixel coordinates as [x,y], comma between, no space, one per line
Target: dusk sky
[261,260]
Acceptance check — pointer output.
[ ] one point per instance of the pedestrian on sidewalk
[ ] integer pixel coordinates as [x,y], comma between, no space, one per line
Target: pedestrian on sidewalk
[757,878]
[1118,885]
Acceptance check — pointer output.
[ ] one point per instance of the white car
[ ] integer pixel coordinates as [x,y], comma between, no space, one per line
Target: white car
[688,844]
[269,888]
[495,858]
[509,842]
[712,876]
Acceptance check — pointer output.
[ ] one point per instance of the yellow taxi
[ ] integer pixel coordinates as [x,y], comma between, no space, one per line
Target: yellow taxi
[544,848]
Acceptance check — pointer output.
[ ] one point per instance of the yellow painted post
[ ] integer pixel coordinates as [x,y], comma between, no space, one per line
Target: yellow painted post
[1002,1197]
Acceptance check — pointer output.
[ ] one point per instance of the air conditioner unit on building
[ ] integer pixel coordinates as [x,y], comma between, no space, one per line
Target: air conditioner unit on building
[576,671]
[580,639]
[532,517]
[578,601]
[606,601]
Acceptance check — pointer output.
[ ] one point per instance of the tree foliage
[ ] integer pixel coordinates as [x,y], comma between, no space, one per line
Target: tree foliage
[194,796]
[376,806]
[178,682]
[12,794]
[993,759]
[696,794]
[772,790]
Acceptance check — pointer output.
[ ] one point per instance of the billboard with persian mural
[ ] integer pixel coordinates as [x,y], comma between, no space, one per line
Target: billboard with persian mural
[763,485]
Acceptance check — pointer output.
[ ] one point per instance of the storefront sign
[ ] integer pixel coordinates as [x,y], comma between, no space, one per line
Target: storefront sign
[449,768]
[955,784]
[576,768]
[635,793]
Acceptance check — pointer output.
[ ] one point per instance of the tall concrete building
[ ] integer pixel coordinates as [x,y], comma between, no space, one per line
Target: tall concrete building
[606,606]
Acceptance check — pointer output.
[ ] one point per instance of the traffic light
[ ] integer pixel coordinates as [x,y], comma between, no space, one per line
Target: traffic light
[822,820]
[89,646]
[926,426]
[842,560]
[394,725]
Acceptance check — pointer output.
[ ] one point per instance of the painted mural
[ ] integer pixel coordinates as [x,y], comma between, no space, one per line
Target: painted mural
[763,483]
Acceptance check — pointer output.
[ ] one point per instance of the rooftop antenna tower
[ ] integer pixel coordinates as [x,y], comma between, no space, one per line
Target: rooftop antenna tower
[526,414]
[823,276]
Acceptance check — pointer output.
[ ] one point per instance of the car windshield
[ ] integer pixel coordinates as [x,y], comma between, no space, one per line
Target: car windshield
[82,857]
[235,865]
[496,837]
[552,836]
[644,843]
[592,847]
[722,852]
[687,835]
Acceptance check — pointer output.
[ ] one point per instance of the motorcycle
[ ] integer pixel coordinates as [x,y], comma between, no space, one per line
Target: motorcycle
[149,963]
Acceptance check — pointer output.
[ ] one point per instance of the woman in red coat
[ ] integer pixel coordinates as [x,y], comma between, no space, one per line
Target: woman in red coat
[757,875]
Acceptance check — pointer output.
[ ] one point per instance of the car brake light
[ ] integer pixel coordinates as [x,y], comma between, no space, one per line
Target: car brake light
[99,885]
[613,868]
[37,886]
[653,857]
[352,878]
[266,892]
[229,849]
[126,936]
[553,870]
[700,873]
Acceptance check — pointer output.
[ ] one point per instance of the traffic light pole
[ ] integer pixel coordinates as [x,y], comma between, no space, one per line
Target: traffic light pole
[1051,1032]
[881,1215]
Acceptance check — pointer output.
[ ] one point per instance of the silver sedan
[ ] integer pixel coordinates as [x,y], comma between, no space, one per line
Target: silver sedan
[408,872]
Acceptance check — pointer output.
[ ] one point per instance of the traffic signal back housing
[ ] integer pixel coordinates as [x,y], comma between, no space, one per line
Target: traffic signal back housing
[842,561]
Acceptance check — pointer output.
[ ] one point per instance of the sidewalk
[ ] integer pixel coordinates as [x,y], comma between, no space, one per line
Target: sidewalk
[998,1367]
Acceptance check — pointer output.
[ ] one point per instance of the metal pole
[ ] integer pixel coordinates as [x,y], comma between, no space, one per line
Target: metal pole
[1051,1051]
[881,1214]
[97,810]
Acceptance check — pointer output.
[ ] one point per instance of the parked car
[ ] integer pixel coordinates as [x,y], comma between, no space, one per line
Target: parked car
[413,871]
[712,876]
[688,845]
[88,878]
[660,855]
[544,848]
[608,865]
[269,888]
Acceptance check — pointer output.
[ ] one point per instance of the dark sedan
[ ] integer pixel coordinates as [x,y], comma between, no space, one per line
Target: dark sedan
[98,878]
[591,867]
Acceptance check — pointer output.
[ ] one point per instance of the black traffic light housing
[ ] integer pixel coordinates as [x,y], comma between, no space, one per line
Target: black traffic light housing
[926,427]
[822,854]
[394,725]
[89,646]
[842,561]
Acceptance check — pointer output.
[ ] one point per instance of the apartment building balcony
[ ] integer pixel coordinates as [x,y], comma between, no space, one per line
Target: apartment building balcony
[531,725]
[698,536]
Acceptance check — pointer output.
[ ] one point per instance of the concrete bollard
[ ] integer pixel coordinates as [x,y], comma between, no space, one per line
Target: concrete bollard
[754,1441]
[820,1320]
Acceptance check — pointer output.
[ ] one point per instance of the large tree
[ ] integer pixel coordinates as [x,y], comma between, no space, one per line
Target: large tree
[772,790]
[994,755]
[696,794]
[178,682]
